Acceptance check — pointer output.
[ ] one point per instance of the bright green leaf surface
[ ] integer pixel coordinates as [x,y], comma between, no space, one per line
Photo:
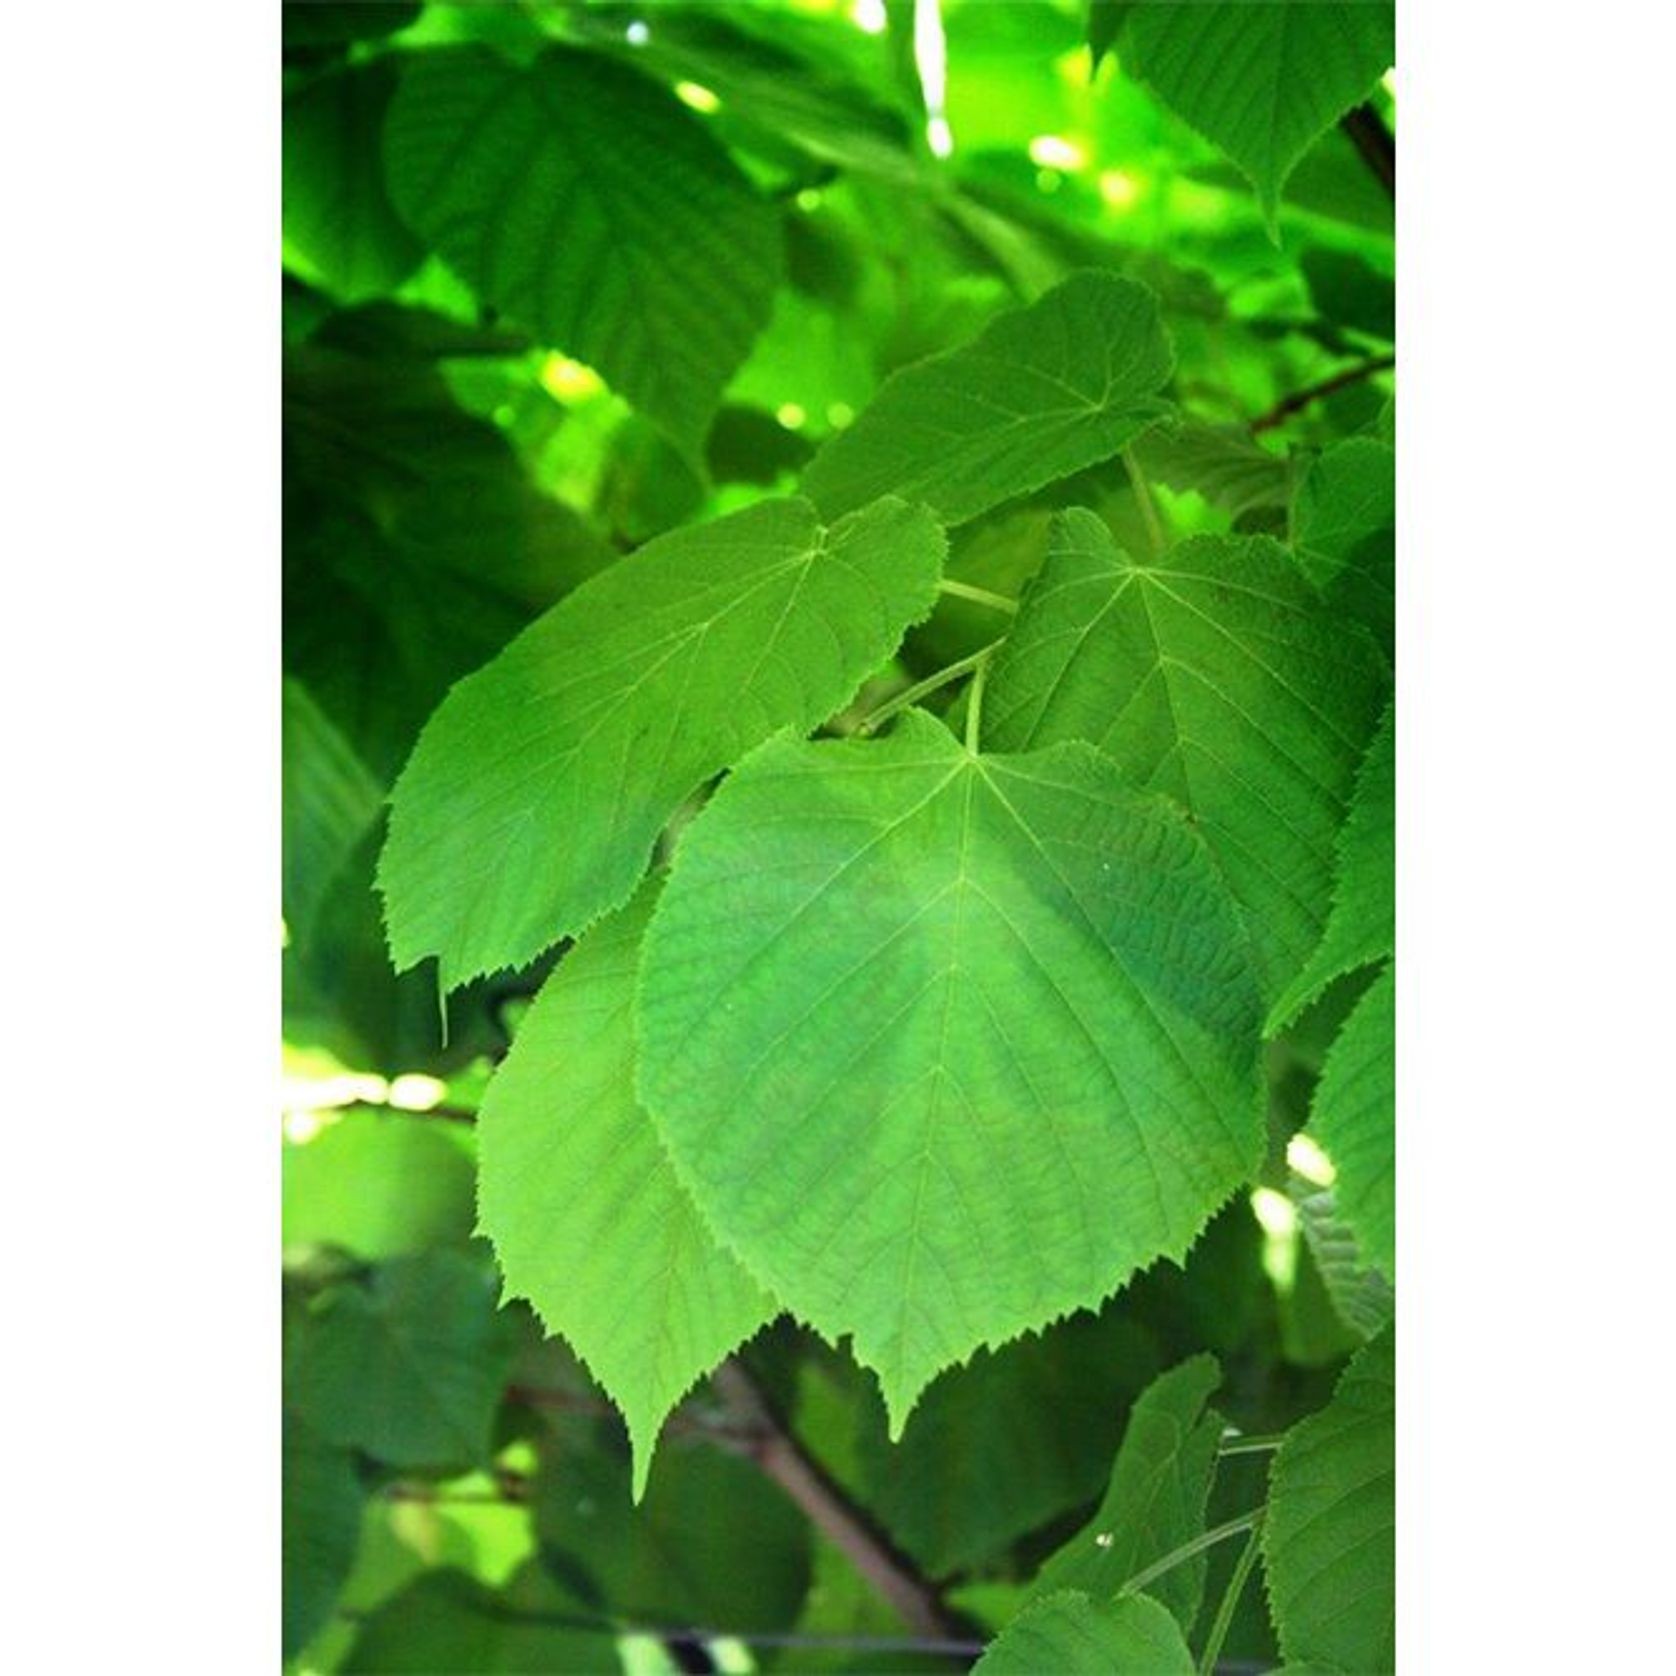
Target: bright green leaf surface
[1263,82]
[588,1219]
[1329,1539]
[410,1366]
[1156,1499]
[1213,674]
[1361,927]
[715,1542]
[378,1184]
[535,794]
[1361,1296]
[1354,1118]
[591,206]
[946,1046]
[1344,532]
[323,1499]
[329,800]
[1041,393]
[1068,1634]
[338,217]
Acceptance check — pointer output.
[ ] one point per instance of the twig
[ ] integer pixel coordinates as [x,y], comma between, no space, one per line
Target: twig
[1376,143]
[1300,399]
[779,1456]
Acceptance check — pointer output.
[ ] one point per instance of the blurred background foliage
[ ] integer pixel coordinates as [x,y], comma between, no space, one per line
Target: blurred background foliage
[455,1486]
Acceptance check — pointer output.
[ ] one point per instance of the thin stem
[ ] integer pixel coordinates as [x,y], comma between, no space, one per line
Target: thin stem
[980,596]
[1256,1444]
[1230,1600]
[1176,1556]
[920,689]
[974,706]
[1143,499]
[1299,399]
[778,1454]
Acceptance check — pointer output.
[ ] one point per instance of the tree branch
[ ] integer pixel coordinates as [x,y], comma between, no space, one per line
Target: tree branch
[1300,399]
[765,1440]
[1376,143]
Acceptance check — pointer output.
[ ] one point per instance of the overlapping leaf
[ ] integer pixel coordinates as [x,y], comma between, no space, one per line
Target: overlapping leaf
[410,1366]
[1072,1635]
[1353,1115]
[587,203]
[1041,393]
[1214,674]
[1344,532]
[1329,1537]
[946,1045]
[1155,1502]
[1263,82]
[1361,928]
[323,1499]
[338,216]
[588,1219]
[535,794]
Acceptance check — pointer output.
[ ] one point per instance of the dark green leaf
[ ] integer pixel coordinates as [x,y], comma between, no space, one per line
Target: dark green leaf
[1068,1634]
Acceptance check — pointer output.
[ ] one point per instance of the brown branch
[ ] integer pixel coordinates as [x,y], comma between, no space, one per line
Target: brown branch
[1300,399]
[765,1440]
[1375,142]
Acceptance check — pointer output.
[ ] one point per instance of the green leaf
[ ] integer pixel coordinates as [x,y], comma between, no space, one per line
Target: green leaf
[1105,23]
[1361,927]
[1354,1118]
[715,1543]
[379,1184]
[1360,1295]
[592,207]
[322,1499]
[971,1048]
[1041,393]
[1344,532]
[1263,82]
[448,1621]
[1329,1537]
[1043,1413]
[588,1219]
[338,216]
[1071,1635]
[1223,465]
[1155,1502]
[533,799]
[410,1366]
[1213,674]
[329,802]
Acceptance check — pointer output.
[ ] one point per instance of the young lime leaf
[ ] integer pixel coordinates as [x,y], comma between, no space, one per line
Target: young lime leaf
[1039,394]
[1262,82]
[593,208]
[944,1045]
[588,1220]
[1214,674]
[1329,1537]
[536,792]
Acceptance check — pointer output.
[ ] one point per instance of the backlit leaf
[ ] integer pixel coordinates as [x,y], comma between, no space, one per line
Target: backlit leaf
[1041,393]
[588,1219]
[1263,82]
[592,207]
[1214,674]
[533,799]
[944,1045]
